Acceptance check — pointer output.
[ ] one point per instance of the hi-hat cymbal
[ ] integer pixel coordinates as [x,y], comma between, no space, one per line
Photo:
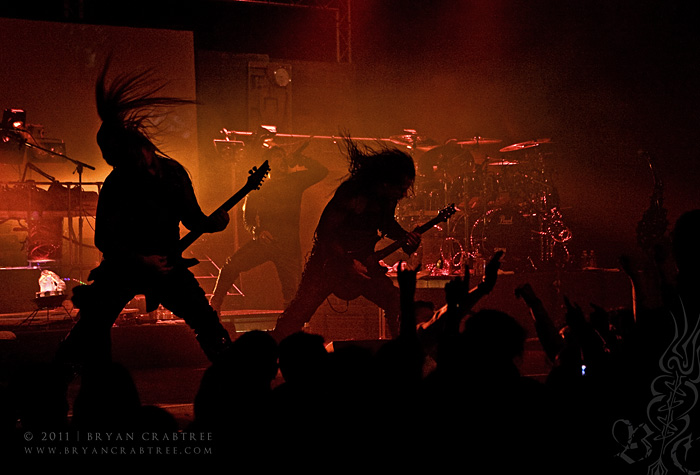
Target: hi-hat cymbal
[525,145]
[421,143]
[477,140]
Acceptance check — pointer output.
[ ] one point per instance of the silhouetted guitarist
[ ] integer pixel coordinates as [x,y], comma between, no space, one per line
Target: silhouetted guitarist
[272,218]
[361,212]
[141,205]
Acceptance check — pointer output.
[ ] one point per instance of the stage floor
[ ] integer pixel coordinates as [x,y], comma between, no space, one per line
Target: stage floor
[163,356]
[167,363]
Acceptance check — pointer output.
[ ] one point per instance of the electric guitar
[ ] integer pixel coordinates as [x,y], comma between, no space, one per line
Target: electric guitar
[345,281]
[254,181]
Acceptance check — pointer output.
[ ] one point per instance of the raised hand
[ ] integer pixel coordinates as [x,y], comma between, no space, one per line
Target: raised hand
[491,272]
[547,332]
[600,321]
[457,291]
[406,278]
[526,293]
[575,317]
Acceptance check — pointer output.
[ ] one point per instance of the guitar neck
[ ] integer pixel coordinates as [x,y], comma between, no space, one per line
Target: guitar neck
[187,240]
[394,246]
[231,202]
[426,226]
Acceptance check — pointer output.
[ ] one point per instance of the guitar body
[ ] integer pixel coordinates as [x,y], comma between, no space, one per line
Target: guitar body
[347,284]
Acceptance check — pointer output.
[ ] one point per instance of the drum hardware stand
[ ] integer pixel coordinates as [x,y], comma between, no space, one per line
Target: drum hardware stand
[239,292]
[46,301]
[455,260]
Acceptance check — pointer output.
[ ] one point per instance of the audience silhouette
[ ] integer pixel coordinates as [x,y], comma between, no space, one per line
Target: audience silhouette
[234,400]
[307,401]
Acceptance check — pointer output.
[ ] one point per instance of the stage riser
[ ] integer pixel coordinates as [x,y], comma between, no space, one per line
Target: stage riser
[337,319]
[173,344]
[359,319]
[136,346]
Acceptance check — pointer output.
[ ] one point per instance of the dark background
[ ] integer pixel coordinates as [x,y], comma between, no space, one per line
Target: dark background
[602,79]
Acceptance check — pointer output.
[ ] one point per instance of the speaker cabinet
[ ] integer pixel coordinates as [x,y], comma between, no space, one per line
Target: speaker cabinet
[18,288]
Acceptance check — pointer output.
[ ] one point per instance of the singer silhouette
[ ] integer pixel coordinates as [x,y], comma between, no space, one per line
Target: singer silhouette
[271,216]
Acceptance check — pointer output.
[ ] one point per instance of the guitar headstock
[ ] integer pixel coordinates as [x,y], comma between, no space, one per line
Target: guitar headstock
[257,176]
[445,213]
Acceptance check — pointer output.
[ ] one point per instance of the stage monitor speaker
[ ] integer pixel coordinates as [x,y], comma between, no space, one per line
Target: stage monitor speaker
[18,288]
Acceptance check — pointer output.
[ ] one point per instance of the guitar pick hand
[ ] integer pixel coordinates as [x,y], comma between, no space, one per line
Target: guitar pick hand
[360,269]
[411,242]
[218,221]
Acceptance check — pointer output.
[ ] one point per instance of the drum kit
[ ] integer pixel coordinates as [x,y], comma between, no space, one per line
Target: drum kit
[506,199]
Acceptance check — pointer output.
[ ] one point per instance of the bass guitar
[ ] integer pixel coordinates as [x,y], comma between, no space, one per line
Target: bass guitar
[346,284]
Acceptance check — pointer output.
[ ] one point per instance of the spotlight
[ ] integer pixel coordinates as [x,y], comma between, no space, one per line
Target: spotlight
[14,119]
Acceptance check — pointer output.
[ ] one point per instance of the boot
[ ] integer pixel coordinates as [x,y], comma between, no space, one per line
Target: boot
[214,343]
[78,351]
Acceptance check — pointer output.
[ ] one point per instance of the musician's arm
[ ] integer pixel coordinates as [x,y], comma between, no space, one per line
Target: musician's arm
[250,214]
[396,232]
[391,228]
[193,218]
[315,171]
[332,229]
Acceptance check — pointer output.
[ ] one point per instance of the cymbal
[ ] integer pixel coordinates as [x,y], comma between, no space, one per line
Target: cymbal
[448,159]
[477,140]
[525,145]
[422,143]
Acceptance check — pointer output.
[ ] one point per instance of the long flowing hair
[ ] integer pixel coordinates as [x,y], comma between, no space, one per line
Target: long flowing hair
[388,165]
[131,106]
[368,166]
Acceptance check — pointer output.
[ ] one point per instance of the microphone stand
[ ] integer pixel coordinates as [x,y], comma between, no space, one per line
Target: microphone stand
[79,168]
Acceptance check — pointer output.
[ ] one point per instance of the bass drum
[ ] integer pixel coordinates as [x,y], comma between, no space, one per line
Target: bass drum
[509,230]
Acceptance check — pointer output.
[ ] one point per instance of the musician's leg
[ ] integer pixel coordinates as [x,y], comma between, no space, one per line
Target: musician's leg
[313,290]
[289,268]
[99,304]
[382,291]
[248,256]
[182,295]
